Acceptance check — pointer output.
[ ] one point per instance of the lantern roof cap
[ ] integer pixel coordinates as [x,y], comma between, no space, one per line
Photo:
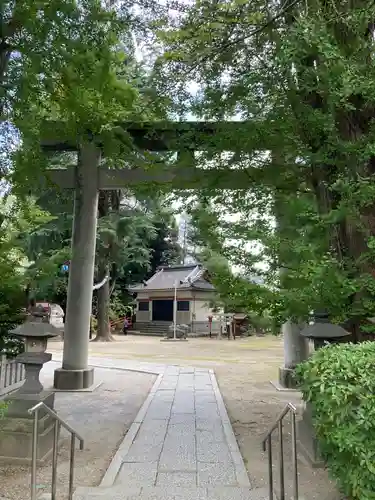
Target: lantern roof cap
[322,328]
[35,329]
[36,325]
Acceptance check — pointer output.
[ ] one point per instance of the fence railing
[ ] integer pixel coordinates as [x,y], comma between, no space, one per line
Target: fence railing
[58,423]
[12,375]
[267,446]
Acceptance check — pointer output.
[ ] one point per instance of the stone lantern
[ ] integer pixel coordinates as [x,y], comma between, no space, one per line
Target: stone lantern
[35,331]
[322,332]
[15,443]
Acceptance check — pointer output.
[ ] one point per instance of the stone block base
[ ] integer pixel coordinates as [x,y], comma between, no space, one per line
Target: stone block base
[286,378]
[307,441]
[73,380]
[20,403]
[16,440]
[181,339]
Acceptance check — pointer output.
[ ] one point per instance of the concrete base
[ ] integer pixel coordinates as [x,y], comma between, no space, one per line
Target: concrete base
[173,340]
[307,441]
[276,384]
[19,404]
[17,428]
[67,380]
[286,378]
[92,388]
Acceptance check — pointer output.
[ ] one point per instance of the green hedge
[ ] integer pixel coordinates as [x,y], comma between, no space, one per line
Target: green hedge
[3,408]
[339,381]
[12,301]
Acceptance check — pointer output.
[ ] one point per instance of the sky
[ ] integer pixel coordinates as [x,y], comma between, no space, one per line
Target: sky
[250,247]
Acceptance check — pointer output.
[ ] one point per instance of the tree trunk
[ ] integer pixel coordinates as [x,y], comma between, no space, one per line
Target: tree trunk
[8,30]
[103,329]
[103,333]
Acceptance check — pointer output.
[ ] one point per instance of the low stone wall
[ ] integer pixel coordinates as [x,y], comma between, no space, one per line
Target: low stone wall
[198,328]
[12,375]
[203,327]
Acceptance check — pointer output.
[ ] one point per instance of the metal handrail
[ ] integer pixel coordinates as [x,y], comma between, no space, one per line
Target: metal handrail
[267,445]
[58,421]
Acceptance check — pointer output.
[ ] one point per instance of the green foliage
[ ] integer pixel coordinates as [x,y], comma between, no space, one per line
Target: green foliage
[123,236]
[117,308]
[15,217]
[133,241]
[303,75]
[4,405]
[71,62]
[12,302]
[93,324]
[339,382]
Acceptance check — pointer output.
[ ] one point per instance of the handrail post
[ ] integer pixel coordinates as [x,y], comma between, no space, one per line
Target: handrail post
[270,471]
[71,466]
[54,458]
[294,457]
[58,423]
[34,455]
[281,461]
[267,442]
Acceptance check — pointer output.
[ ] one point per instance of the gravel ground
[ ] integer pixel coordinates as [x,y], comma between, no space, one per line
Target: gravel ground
[253,408]
[243,368]
[102,417]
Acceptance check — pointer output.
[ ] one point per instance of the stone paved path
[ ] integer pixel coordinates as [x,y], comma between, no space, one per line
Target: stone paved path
[180,447]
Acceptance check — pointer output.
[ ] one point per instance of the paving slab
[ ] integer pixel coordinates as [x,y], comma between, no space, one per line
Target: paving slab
[183,479]
[183,432]
[137,474]
[237,494]
[139,453]
[112,493]
[216,474]
[183,446]
[172,492]
[213,452]
[182,418]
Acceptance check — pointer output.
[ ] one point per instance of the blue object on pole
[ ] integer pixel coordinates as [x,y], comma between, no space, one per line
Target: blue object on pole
[65,268]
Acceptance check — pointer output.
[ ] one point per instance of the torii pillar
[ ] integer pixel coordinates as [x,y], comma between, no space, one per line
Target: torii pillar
[75,373]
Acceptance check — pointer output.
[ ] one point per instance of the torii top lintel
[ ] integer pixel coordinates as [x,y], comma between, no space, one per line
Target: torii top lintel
[167,136]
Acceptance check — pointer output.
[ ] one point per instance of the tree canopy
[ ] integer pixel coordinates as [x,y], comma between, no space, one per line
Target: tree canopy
[303,70]
[299,71]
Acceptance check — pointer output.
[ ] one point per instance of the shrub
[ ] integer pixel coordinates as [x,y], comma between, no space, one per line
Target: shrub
[12,301]
[3,409]
[339,382]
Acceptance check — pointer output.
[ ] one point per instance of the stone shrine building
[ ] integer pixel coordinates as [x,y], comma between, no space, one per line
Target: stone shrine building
[195,297]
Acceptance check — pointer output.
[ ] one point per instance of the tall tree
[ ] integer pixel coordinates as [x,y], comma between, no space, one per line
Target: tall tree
[302,72]
[123,236]
[15,217]
[71,62]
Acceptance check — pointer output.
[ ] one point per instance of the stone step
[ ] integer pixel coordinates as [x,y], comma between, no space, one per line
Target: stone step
[122,492]
[163,333]
[148,332]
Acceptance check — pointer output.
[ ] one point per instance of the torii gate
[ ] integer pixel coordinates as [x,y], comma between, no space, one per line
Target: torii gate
[87,178]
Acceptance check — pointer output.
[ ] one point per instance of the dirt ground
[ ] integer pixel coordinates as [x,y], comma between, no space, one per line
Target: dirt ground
[102,417]
[244,368]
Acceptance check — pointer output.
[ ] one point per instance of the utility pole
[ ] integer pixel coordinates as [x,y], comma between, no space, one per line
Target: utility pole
[175,311]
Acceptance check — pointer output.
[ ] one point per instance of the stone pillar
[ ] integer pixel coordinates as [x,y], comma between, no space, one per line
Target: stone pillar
[75,374]
[307,440]
[296,350]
